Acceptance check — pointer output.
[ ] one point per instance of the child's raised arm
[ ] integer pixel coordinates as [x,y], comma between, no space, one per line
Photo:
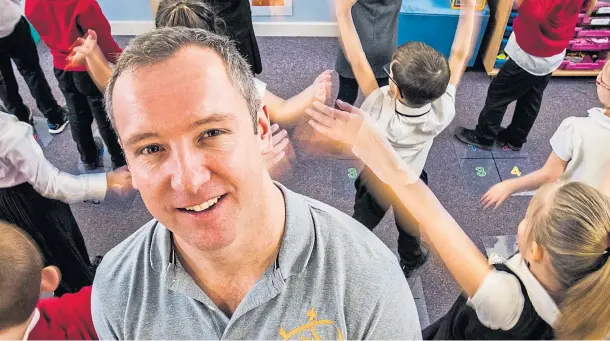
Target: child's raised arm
[463,43]
[88,52]
[550,172]
[461,256]
[352,47]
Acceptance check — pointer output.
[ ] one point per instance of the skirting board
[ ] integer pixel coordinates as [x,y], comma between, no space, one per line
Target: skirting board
[263,29]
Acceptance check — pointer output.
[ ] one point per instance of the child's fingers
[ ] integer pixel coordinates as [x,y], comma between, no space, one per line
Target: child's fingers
[280,146]
[278,137]
[320,128]
[321,118]
[274,128]
[277,158]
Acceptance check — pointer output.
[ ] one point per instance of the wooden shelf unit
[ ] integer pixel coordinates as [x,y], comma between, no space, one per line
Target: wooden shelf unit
[499,16]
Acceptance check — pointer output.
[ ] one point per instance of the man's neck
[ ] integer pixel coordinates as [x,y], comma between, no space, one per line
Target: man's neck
[607,112]
[16,332]
[244,261]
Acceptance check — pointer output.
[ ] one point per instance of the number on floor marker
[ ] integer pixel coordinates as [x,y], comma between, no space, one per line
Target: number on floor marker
[516,171]
[481,171]
[352,173]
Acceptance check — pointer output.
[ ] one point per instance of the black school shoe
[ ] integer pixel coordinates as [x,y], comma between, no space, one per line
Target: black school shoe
[409,267]
[503,142]
[471,137]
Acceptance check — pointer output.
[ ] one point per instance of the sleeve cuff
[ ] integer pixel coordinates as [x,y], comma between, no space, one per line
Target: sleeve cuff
[98,186]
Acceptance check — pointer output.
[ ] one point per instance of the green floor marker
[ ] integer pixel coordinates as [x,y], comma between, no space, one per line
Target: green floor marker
[352,173]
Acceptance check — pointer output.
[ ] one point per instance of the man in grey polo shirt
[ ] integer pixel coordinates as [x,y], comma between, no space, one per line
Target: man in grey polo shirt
[230,254]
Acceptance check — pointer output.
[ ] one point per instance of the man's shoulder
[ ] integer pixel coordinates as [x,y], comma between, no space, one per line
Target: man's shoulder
[126,257]
[340,232]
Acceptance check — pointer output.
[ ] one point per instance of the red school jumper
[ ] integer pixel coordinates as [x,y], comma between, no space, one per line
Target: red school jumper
[61,22]
[544,28]
[65,318]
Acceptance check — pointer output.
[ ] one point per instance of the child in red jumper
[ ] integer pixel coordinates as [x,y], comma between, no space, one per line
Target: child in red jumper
[541,33]
[59,23]
[23,277]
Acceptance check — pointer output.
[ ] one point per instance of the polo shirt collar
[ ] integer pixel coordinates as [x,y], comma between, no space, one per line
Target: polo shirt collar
[543,303]
[405,110]
[598,114]
[295,249]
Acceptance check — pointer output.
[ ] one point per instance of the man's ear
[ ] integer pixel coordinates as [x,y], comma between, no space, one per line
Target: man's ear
[264,129]
[51,277]
[133,180]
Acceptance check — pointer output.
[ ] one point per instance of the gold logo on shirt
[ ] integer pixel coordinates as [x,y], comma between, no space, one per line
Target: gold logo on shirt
[308,331]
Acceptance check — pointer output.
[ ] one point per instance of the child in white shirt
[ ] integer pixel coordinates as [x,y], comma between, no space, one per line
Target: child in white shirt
[417,105]
[580,151]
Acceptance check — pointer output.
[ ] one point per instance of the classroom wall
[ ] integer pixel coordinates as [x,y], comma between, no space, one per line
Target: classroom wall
[139,10]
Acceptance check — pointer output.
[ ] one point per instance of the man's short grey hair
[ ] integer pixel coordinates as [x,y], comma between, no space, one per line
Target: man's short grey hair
[159,45]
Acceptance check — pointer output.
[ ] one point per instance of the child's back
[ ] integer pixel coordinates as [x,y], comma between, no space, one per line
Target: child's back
[583,143]
[411,130]
[61,22]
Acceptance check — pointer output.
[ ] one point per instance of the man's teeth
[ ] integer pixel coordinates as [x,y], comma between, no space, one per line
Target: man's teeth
[204,206]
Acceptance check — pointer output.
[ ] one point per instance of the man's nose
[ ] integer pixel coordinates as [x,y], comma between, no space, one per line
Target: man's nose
[190,172]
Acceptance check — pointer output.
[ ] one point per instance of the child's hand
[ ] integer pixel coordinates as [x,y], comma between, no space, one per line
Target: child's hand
[342,6]
[496,195]
[342,126]
[275,153]
[323,87]
[119,181]
[82,48]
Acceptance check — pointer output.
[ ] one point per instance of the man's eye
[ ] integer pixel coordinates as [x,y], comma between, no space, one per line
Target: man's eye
[151,150]
[212,133]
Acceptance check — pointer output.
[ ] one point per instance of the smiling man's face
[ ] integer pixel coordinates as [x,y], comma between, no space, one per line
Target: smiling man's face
[191,148]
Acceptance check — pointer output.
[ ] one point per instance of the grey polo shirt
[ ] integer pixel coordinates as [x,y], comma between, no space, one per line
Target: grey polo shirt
[333,279]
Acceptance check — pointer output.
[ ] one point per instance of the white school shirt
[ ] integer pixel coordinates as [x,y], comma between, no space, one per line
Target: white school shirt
[22,160]
[499,301]
[537,66]
[584,142]
[10,14]
[412,132]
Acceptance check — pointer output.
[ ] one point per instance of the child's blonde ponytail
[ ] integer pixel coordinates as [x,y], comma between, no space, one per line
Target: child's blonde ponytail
[572,223]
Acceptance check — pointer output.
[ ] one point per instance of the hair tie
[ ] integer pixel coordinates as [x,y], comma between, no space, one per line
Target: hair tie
[603,259]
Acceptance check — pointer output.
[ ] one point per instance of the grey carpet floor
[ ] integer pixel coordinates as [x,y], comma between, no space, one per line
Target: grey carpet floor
[290,65]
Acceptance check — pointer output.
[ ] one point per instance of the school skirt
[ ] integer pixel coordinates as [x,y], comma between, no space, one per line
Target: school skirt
[53,227]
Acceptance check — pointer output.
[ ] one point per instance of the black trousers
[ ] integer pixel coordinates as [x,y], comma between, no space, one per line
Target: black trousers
[512,84]
[53,227]
[19,46]
[348,88]
[86,102]
[373,199]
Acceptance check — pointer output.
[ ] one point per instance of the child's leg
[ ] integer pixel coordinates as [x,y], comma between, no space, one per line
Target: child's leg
[525,115]
[80,116]
[370,203]
[9,89]
[508,86]
[25,56]
[409,242]
[85,85]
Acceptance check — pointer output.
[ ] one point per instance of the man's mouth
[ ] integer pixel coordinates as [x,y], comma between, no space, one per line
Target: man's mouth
[204,205]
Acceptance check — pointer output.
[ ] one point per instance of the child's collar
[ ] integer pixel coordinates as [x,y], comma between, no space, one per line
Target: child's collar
[404,110]
[33,323]
[543,303]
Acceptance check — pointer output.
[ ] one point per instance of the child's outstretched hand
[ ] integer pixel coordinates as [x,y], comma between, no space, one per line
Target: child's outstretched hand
[274,156]
[496,195]
[82,48]
[323,87]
